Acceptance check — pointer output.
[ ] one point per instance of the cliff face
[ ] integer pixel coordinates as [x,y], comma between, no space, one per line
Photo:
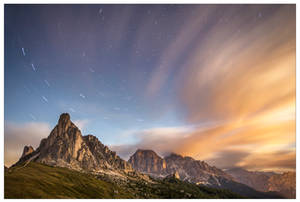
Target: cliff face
[66,147]
[148,161]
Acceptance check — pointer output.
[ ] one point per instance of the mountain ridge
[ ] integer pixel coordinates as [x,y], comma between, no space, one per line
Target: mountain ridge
[67,147]
[196,171]
[191,170]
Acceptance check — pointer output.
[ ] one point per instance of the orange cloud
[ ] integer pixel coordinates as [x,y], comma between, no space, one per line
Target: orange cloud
[248,81]
[241,74]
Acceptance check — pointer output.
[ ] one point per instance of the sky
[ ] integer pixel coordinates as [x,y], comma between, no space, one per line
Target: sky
[215,82]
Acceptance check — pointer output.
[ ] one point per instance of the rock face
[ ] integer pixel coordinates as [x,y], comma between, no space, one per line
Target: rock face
[187,168]
[66,147]
[148,161]
[194,170]
[284,183]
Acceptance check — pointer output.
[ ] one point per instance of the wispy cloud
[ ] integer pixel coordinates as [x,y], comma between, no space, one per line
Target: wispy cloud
[239,75]
[246,79]
[16,136]
[161,140]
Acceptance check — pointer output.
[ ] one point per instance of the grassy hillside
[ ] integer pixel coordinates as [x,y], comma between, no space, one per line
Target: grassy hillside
[42,181]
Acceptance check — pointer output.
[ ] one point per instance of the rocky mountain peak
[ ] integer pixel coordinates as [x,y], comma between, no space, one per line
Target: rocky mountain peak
[66,147]
[27,150]
[64,118]
[147,161]
[64,123]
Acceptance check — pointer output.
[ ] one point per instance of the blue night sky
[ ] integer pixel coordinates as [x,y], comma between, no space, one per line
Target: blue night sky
[85,61]
[174,78]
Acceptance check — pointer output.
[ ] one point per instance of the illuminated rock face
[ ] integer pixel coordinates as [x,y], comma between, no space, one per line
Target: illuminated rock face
[66,147]
[185,168]
[148,161]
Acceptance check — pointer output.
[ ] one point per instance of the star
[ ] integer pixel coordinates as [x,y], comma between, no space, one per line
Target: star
[45,99]
[48,84]
[33,67]
[23,51]
[33,117]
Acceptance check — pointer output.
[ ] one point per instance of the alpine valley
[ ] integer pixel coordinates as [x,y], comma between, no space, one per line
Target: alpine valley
[69,165]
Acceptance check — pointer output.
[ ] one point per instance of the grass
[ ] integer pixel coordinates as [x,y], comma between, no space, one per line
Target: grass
[42,181]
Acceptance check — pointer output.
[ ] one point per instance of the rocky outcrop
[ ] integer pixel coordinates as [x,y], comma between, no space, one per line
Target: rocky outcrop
[66,147]
[148,161]
[175,175]
[285,183]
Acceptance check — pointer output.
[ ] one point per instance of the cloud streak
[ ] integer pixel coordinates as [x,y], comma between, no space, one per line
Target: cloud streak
[247,80]
[241,75]
[161,140]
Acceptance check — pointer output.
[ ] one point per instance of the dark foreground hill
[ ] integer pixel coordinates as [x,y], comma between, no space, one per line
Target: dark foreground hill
[36,180]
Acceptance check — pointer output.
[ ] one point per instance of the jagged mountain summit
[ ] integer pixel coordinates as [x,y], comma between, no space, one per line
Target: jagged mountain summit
[192,171]
[188,169]
[66,147]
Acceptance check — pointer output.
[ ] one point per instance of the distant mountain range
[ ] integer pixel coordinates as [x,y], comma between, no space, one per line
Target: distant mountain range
[175,176]
[193,171]
[284,183]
